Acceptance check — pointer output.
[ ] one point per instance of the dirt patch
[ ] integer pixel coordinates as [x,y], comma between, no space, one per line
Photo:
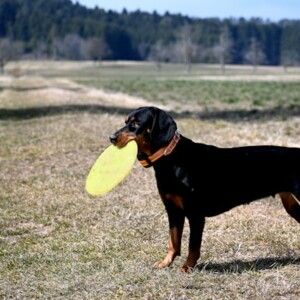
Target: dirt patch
[38,91]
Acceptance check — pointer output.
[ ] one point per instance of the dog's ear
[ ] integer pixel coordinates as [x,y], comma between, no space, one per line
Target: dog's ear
[163,128]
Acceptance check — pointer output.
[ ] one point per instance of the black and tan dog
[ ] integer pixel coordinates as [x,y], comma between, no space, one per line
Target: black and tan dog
[197,180]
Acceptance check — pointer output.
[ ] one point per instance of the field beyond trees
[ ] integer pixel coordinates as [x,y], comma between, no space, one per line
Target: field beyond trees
[57,242]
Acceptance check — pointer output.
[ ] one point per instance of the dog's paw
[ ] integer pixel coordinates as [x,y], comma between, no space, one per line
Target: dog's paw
[161,264]
[186,269]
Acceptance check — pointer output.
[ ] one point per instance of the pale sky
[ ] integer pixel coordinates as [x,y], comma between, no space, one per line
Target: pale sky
[273,10]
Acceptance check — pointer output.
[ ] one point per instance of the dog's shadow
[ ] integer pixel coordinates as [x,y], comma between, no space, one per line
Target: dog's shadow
[240,266]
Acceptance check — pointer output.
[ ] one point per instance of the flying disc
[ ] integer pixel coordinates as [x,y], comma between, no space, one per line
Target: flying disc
[111,167]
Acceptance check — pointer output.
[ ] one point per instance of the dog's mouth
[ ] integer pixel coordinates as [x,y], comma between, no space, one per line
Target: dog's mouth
[120,140]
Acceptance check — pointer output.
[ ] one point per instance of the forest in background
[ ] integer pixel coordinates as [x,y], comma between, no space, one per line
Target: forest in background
[60,29]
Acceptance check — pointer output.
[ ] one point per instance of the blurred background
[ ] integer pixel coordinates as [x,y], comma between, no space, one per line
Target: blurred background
[232,32]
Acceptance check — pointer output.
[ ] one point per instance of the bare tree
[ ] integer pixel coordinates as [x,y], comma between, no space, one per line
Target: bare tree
[223,49]
[159,53]
[96,49]
[41,50]
[185,47]
[255,55]
[9,51]
[73,47]
[70,47]
[143,50]
[289,58]
[57,48]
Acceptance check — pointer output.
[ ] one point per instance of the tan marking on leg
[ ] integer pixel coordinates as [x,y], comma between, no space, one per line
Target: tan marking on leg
[175,235]
[291,205]
[175,199]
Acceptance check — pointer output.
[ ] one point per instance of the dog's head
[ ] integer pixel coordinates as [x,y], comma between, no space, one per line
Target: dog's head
[150,127]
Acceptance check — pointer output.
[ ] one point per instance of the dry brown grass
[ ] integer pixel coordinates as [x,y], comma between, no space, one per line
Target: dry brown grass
[56,242]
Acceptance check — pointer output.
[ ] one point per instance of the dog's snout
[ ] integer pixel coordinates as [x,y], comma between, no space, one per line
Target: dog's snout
[113,138]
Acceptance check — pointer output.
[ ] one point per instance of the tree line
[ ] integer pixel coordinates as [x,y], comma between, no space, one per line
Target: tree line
[60,29]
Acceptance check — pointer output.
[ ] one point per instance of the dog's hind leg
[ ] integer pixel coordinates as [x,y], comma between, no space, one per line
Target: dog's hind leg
[291,205]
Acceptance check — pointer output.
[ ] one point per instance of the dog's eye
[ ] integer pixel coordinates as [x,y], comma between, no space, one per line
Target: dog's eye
[135,124]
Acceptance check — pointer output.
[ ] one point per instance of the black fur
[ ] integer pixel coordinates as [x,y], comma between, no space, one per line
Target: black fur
[198,180]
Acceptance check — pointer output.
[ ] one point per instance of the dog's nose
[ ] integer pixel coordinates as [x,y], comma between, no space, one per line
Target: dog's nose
[113,138]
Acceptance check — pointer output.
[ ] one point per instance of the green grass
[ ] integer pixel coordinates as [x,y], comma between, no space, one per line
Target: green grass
[204,86]
[57,242]
[257,94]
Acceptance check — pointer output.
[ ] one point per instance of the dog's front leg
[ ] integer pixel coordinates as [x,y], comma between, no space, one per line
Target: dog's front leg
[176,223]
[196,230]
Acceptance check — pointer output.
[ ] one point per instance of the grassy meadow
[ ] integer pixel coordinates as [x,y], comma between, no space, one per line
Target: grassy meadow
[57,242]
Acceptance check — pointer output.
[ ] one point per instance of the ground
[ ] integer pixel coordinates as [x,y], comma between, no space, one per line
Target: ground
[58,242]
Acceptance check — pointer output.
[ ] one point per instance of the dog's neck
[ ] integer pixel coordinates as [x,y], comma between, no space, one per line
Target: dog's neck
[164,151]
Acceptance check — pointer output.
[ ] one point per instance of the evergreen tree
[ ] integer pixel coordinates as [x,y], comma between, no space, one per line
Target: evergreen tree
[43,25]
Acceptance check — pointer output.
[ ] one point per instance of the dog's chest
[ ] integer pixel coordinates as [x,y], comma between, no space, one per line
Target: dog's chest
[176,199]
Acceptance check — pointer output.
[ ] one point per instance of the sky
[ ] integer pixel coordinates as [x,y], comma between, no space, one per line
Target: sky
[273,10]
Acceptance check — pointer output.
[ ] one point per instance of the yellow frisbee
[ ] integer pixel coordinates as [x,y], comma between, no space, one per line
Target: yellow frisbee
[111,167]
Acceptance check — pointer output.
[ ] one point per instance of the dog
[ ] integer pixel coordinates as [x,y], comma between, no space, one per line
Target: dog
[197,180]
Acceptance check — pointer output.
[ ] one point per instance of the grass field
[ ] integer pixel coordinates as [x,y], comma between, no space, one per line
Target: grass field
[56,242]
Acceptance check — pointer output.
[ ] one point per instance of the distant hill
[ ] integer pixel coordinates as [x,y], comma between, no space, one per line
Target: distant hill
[60,29]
